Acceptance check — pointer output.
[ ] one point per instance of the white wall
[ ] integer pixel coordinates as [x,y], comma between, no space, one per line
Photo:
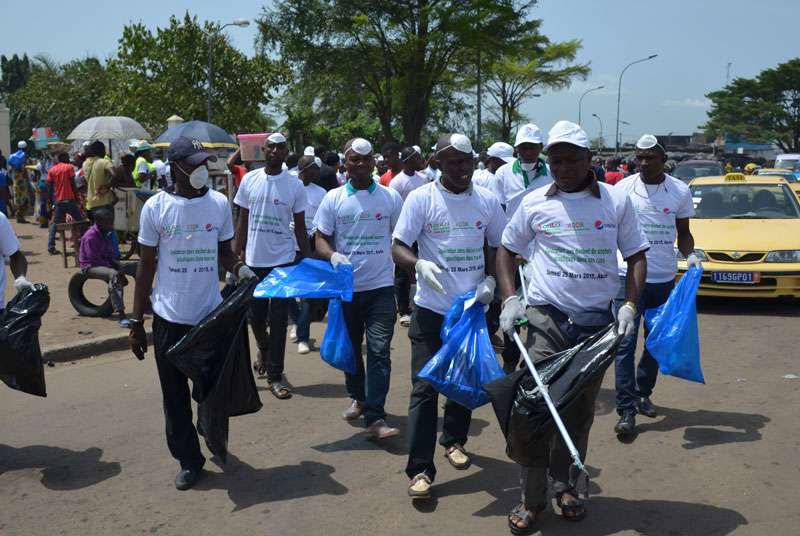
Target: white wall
[5,130]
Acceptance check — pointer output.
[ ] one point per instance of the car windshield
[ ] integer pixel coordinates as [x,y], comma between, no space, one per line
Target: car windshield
[745,201]
[788,177]
[793,165]
[687,172]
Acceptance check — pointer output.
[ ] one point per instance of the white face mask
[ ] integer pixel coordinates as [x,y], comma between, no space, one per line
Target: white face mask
[527,166]
[199,177]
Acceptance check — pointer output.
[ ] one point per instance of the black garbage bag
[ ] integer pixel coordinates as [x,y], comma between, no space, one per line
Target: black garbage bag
[519,406]
[215,355]
[20,356]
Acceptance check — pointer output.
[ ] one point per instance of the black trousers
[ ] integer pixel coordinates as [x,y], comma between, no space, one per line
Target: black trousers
[402,291]
[181,434]
[271,342]
[423,403]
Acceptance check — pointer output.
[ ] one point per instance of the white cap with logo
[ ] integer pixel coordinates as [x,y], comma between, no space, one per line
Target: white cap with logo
[567,132]
[648,141]
[360,146]
[459,142]
[275,138]
[22,145]
[501,150]
[528,133]
[308,151]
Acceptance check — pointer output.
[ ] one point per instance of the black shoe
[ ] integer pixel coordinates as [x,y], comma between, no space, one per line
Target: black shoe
[53,251]
[626,422]
[646,407]
[187,478]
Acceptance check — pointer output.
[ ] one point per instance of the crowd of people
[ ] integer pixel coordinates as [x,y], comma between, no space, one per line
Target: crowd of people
[597,242]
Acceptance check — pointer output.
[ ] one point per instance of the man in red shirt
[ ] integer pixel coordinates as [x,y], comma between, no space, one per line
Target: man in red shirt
[613,174]
[60,180]
[391,156]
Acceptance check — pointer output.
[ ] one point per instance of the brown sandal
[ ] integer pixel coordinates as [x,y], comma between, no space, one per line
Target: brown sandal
[260,365]
[279,390]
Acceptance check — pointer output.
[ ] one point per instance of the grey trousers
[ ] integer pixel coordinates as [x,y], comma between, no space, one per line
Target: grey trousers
[550,332]
[110,276]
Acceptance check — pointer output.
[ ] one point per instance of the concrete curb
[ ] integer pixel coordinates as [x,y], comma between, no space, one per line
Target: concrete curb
[61,353]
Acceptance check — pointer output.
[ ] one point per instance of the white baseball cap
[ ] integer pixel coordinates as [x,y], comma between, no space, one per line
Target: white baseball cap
[22,145]
[567,132]
[308,151]
[360,146]
[528,133]
[648,141]
[501,150]
[276,137]
[459,142]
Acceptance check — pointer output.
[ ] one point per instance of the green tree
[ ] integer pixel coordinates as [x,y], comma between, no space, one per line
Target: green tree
[535,66]
[16,72]
[158,74]
[58,96]
[761,109]
[394,57]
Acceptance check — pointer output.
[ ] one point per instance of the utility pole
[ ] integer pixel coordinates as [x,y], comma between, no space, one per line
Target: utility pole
[619,96]
[479,133]
[728,73]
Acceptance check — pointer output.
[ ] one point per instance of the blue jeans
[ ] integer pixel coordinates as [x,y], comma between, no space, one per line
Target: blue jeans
[372,312]
[634,381]
[62,209]
[300,314]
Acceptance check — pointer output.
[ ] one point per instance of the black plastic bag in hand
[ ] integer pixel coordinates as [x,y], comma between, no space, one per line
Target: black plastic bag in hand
[20,356]
[215,355]
[520,408]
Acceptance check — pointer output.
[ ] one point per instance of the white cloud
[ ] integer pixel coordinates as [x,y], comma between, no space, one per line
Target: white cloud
[688,102]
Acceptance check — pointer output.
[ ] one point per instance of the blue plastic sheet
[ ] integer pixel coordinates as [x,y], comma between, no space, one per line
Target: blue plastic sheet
[673,340]
[466,361]
[310,278]
[337,349]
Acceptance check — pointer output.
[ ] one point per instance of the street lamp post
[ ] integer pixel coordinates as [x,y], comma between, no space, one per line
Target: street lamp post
[619,94]
[241,23]
[580,101]
[619,132]
[601,128]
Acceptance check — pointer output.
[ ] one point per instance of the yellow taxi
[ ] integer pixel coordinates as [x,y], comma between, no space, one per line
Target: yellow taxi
[747,233]
[787,174]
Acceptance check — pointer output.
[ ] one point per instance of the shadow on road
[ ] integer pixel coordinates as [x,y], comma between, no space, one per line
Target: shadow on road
[248,486]
[321,390]
[702,426]
[397,446]
[62,469]
[742,307]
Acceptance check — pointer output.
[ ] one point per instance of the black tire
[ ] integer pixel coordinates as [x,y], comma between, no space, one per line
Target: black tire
[130,247]
[79,301]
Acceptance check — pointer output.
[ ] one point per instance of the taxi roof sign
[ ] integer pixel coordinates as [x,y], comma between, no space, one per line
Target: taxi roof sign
[734,177]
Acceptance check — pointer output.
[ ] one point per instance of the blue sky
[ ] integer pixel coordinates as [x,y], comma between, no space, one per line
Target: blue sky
[695,39]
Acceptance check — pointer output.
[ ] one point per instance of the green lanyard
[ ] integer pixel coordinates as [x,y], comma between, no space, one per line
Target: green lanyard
[540,170]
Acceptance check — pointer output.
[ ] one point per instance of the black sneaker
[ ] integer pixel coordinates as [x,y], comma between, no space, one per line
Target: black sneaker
[646,407]
[626,423]
[186,478]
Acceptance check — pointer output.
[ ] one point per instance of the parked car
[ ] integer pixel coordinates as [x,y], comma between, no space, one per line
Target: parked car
[690,169]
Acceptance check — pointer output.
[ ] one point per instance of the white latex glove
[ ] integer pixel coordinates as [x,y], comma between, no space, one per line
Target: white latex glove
[245,272]
[21,282]
[337,259]
[625,318]
[427,272]
[230,279]
[513,310]
[693,261]
[485,291]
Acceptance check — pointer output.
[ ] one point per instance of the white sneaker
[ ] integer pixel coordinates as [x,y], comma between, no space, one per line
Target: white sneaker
[303,347]
[292,333]
[405,320]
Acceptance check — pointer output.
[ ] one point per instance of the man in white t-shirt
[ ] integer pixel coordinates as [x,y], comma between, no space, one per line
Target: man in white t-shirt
[455,226]
[190,231]
[308,168]
[663,205]
[498,154]
[575,225]
[9,249]
[354,226]
[271,228]
[526,173]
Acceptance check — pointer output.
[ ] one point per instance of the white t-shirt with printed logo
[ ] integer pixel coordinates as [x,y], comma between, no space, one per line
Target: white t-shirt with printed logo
[510,186]
[315,194]
[574,239]
[361,223]
[8,246]
[657,207]
[187,233]
[272,200]
[405,184]
[450,230]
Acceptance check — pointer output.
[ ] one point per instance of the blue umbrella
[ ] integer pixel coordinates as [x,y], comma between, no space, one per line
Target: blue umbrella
[210,135]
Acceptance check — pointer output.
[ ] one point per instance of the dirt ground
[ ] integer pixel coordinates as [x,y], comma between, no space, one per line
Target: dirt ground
[91,458]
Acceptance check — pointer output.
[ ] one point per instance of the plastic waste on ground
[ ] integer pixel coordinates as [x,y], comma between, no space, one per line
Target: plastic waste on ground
[466,361]
[215,355]
[674,339]
[20,355]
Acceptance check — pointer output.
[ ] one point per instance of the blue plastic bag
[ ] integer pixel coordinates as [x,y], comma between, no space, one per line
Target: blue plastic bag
[466,361]
[673,340]
[310,278]
[17,160]
[337,349]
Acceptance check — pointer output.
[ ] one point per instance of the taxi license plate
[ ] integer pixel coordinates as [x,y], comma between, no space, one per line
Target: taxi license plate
[740,278]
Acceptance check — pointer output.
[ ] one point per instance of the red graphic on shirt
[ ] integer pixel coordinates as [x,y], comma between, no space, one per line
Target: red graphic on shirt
[598,224]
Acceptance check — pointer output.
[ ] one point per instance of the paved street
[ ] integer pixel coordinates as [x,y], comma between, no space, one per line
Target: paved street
[720,459]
